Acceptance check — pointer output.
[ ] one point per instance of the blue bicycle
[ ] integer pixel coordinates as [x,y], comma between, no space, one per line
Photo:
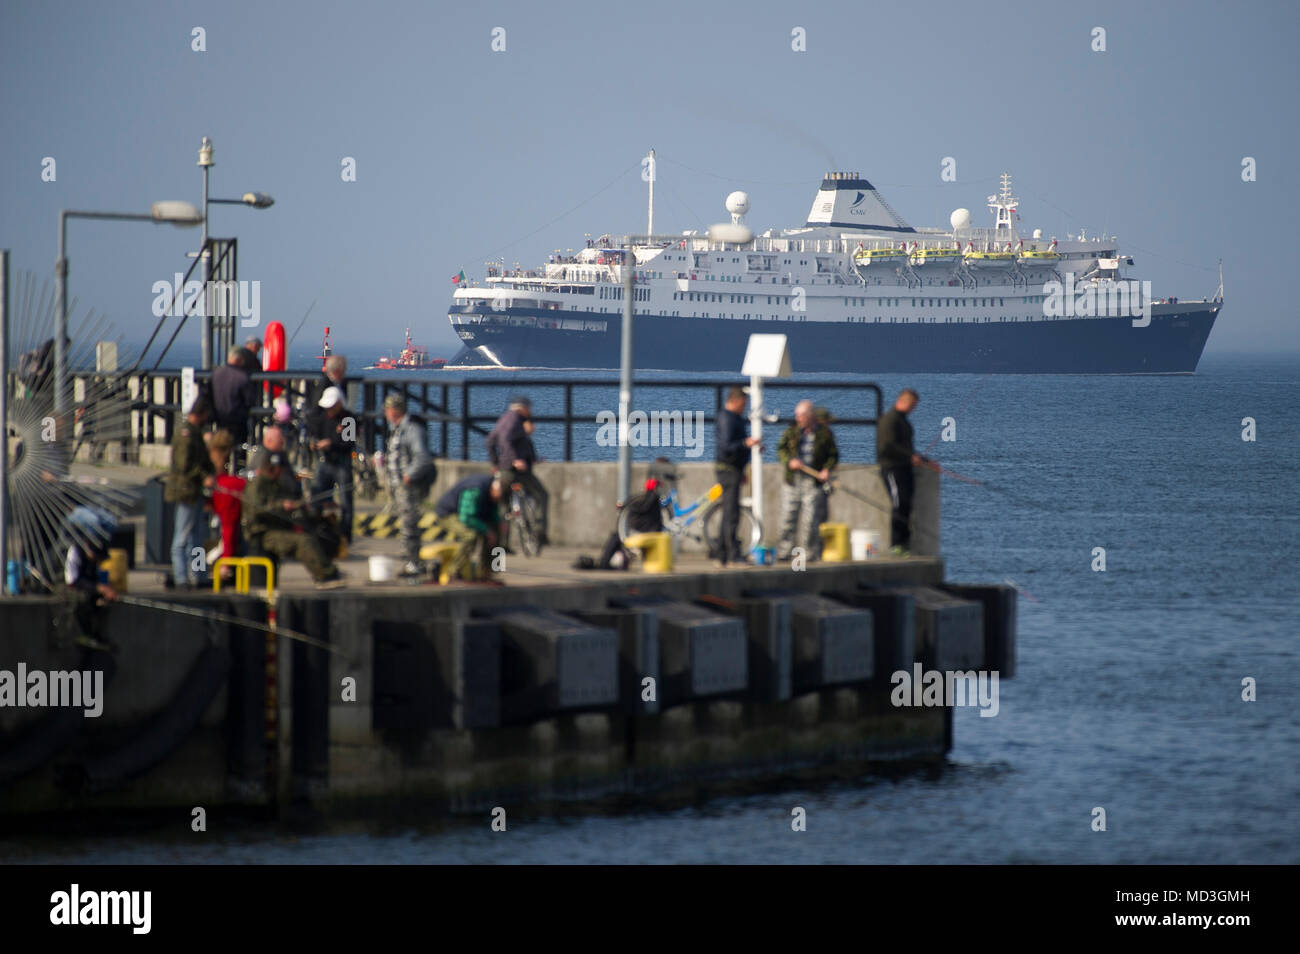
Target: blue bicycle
[700,520]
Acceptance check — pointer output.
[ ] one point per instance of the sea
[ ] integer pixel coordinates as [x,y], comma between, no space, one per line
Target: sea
[1151,526]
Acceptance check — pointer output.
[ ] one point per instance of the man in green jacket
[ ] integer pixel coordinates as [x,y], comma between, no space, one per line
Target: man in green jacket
[807,454]
[469,513]
[190,476]
[269,526]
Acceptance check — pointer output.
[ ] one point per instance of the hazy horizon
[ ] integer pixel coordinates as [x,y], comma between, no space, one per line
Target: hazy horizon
[463,153]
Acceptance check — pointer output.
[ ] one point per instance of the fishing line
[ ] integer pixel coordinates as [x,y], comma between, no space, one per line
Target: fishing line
[234,621]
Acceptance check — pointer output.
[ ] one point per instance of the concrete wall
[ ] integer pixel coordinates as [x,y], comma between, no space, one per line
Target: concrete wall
[583,495]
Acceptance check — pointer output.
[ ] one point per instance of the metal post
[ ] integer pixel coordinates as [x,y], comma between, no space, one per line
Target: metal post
[568,421]
[205,355]
[756,453]
[4,420]
[61,314]
[446,408]
[625,377]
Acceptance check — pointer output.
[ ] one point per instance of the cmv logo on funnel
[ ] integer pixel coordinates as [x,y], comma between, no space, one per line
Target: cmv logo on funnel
[224,299]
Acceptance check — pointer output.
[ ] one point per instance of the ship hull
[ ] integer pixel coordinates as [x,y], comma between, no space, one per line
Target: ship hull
[1171,344]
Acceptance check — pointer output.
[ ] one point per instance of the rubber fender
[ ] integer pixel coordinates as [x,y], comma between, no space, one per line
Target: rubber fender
[166,732]
[56,731]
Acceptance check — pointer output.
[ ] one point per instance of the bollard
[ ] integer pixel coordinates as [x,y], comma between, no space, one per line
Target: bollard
[835,542]
[656,551]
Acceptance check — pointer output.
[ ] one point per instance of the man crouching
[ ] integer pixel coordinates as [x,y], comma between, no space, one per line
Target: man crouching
[270,528]
[470,514]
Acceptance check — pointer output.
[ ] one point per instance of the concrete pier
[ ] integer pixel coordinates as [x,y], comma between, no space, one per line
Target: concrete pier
[461,698]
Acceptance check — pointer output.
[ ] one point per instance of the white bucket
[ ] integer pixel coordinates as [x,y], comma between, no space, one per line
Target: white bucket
[864,544]
[383,569]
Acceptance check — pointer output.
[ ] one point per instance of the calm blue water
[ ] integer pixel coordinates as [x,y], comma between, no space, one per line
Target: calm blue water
[1128,690]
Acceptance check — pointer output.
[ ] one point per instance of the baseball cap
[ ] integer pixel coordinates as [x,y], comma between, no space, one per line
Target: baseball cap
[331,397]
[394,400]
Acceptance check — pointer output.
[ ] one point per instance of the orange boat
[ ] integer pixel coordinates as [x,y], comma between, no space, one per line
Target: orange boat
[413,358]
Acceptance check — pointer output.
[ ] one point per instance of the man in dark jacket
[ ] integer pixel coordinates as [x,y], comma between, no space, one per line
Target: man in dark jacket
[191,476]
[510,449]
[807,454]
[332,432]
[730,459]
[470,514]
[233,395]
[896,457]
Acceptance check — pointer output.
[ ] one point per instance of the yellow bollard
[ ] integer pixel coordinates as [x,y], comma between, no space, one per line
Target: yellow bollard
[835,542]
[116,567]
[656,551]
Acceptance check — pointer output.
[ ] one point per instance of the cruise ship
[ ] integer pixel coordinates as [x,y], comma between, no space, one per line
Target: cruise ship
[854,289]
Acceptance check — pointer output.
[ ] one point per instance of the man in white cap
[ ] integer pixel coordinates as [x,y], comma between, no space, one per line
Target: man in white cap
[332,432]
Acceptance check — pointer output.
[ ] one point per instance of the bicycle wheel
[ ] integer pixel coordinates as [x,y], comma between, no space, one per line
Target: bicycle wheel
[745,527]
[527,522]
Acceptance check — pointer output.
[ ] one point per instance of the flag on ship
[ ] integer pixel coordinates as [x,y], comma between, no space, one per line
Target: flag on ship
[458,277]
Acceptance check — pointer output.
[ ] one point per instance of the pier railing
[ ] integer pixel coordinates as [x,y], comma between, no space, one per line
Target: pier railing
[460,412]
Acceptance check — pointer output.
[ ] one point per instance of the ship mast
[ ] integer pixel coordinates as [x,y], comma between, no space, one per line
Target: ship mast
[650,175]
[1003,205]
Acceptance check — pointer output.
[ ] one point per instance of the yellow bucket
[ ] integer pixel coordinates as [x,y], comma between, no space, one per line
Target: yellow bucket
[115,564]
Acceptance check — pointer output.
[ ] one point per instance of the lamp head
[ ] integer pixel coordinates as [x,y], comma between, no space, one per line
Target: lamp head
[181,214]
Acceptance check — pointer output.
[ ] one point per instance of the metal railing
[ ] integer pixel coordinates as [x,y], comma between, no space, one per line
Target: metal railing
[459,413]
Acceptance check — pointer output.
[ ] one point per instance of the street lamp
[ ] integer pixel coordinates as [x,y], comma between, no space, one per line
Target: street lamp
[256,200]
[181,214]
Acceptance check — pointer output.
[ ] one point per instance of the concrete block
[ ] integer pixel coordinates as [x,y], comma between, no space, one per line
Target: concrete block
[701,652]
[439,673]
[893,625]
[949,630]
[771,646]
[833,643]
[552,662]
[999,603]
[638,654]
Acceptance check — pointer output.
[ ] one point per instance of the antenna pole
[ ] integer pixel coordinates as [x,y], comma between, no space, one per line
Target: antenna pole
[650,227]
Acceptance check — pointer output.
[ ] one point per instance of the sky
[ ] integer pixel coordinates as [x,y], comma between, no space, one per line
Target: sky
[463,152]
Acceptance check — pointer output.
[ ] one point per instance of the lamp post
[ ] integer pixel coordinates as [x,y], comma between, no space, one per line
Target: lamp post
[256,200]
[175,213]
[4,419]
[724,234]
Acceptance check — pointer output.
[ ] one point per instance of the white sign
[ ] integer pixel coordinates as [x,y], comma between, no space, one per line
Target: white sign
[189,390]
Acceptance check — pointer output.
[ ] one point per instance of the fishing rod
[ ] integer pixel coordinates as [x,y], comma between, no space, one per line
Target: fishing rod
[232,620]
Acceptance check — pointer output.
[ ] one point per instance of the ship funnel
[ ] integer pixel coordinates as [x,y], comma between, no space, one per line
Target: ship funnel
[846,200]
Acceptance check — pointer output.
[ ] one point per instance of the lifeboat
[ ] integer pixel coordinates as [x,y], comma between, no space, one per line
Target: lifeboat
[883,256]
[936,256]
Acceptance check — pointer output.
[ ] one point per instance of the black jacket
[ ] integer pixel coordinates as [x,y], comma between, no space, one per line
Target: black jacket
[732,432]
[321,426]
[232,396]
[894,440]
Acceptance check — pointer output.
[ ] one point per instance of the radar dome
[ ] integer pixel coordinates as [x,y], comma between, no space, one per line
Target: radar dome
[1038,233]
[738,203]
[960,219]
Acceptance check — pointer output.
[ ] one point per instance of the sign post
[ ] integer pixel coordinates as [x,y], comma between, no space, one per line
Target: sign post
[766,356]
